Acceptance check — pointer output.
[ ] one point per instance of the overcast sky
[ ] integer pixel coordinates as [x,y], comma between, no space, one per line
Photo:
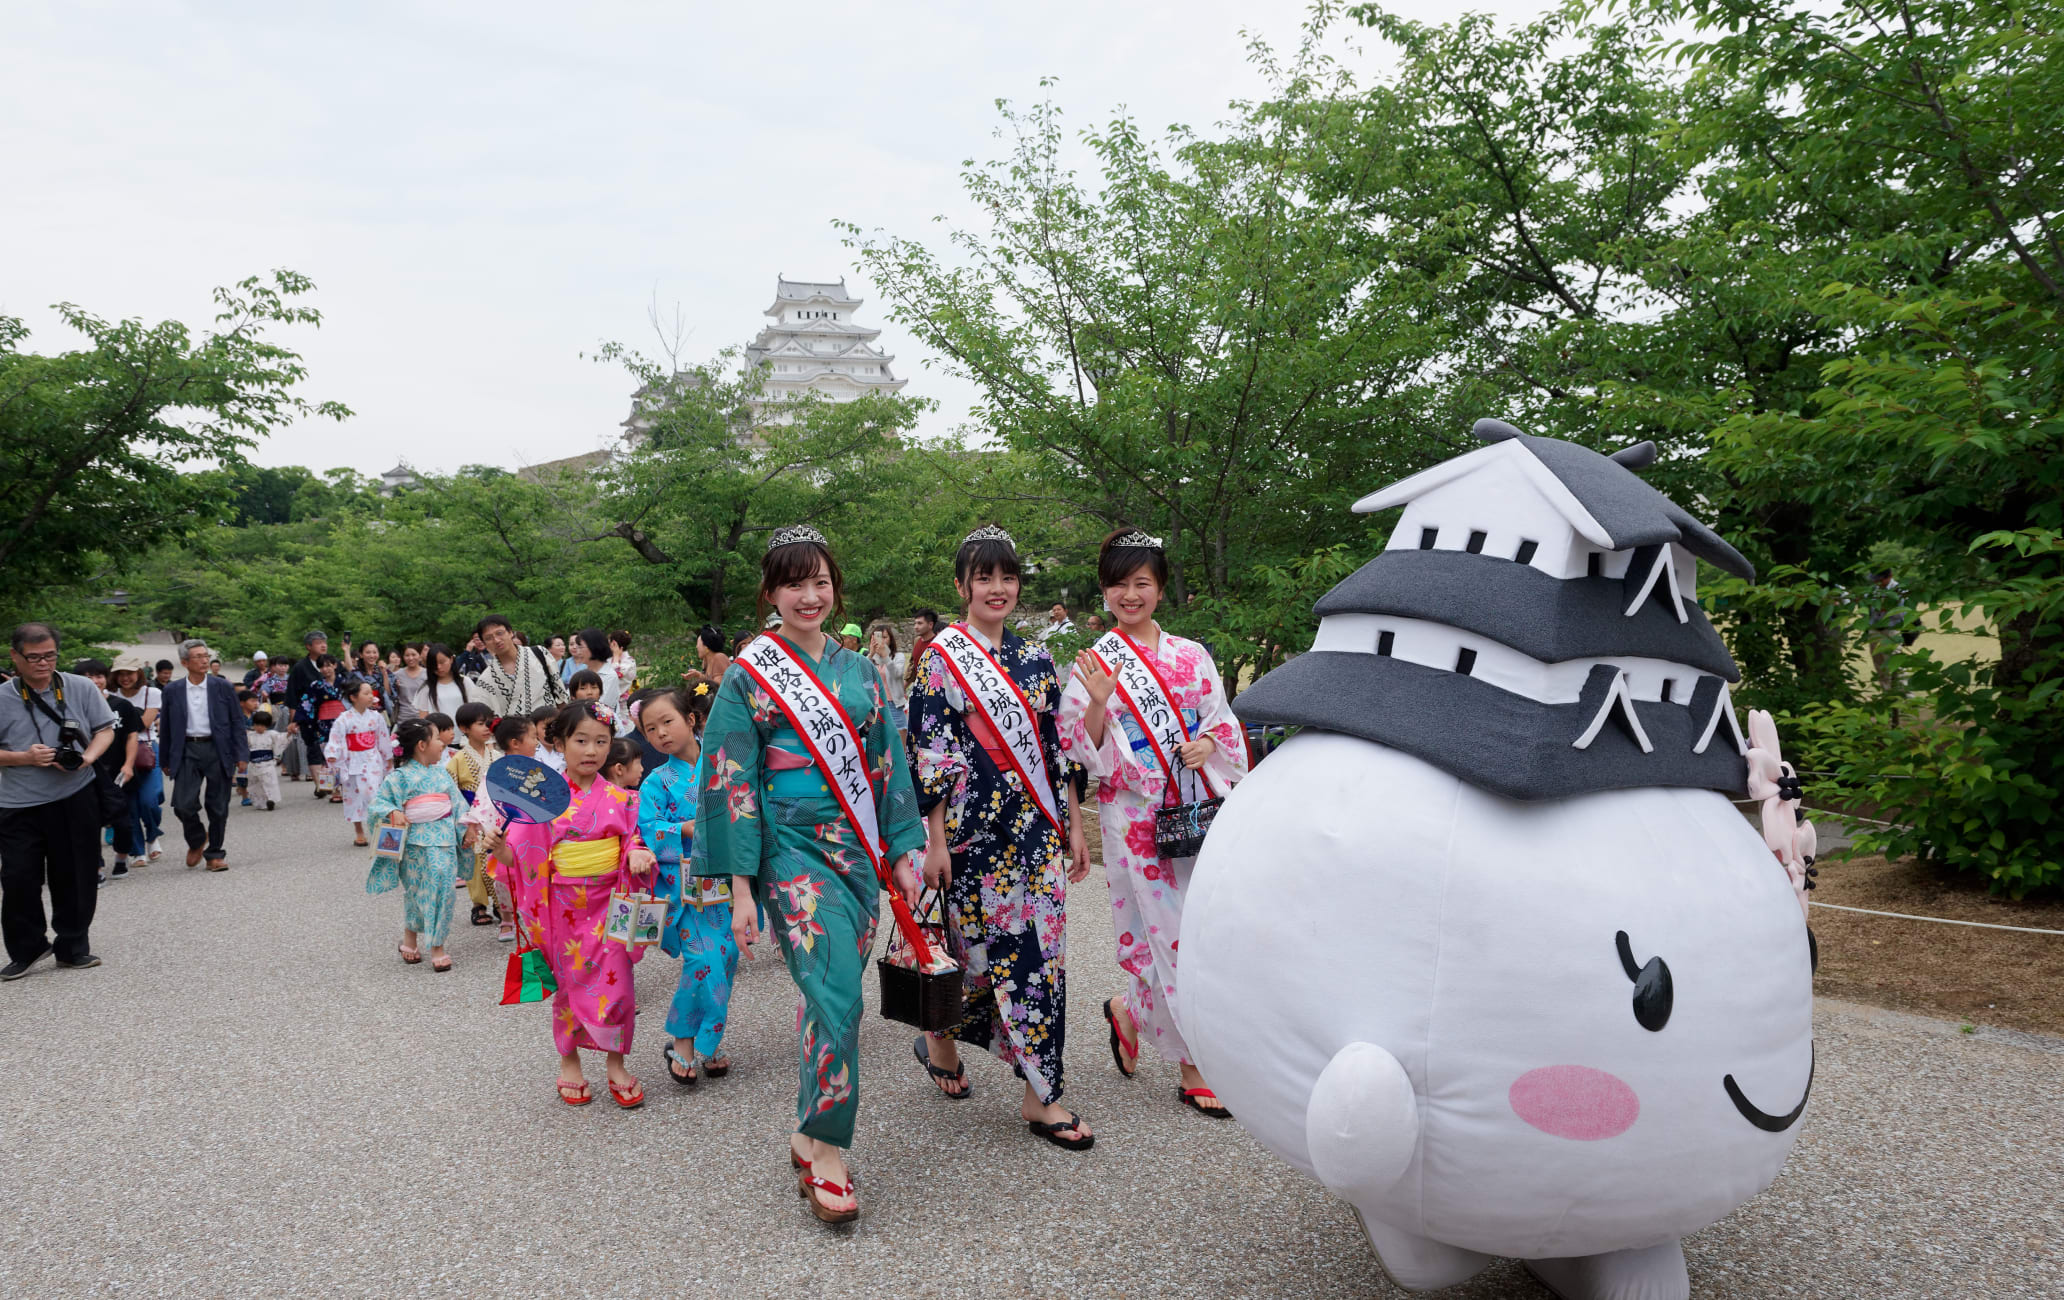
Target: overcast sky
[484,192]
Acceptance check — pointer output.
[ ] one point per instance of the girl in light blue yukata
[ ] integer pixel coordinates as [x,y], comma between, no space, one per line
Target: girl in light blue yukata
[422,796]
[698,927]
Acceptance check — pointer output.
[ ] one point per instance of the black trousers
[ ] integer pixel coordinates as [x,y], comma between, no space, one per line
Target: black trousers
[55,844]
[201,773]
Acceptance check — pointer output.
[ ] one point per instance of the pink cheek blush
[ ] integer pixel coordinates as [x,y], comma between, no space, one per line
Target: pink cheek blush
[1574,1101]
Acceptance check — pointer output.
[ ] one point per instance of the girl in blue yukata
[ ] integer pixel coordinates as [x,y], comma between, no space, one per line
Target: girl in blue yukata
[698,927]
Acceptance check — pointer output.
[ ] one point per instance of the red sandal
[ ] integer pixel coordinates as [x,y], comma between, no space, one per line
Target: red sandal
[575,1096]
[809,1185]
[629,1098]
[1118,1043]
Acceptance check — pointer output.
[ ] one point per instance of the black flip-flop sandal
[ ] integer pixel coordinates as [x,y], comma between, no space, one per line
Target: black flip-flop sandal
[674,1058]
[1216,1110]
[958,1074]
[1118,1049]
[1052,1133]
[481,916]
[711,1069]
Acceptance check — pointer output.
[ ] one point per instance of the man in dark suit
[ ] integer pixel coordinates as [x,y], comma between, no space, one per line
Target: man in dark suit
[202,731]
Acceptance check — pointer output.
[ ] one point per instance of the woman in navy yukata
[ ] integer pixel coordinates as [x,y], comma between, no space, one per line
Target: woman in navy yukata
[996,849]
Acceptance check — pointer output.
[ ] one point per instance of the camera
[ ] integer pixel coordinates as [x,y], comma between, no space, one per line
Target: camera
[71,745]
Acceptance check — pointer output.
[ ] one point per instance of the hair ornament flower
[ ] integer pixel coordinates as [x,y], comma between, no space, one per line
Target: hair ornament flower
[600,714]
[702,688]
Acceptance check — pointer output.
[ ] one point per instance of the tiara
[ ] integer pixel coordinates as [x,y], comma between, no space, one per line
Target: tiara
[794,533]
[1136,538]
[989,533]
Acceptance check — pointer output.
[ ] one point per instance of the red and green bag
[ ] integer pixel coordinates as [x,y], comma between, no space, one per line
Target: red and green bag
[528,978]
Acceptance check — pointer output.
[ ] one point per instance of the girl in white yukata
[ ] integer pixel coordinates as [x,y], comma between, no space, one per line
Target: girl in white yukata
[359,752]
[1142,765]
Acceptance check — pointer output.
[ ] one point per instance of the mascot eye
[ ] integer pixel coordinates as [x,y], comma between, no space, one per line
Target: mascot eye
[1653,994]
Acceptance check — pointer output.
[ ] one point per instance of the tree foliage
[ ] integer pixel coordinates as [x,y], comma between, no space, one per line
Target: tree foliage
[93,441]
[1190,342]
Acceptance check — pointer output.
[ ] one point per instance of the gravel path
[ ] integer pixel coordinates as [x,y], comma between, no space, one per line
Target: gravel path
[254,1093]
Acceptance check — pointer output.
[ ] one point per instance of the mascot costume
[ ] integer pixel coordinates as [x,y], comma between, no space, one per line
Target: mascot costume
[1484,947]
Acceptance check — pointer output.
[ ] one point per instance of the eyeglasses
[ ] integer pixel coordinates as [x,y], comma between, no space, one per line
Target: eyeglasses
[48,657]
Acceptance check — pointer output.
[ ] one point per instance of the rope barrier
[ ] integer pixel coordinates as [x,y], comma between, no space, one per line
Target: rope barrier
[1904,916]
[1939,920]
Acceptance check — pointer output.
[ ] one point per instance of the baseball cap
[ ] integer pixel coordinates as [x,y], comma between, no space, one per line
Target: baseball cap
[257,656]
[850,629]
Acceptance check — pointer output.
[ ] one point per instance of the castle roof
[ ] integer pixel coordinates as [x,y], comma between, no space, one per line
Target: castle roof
[1548,618]
[1526,674]
[787,290]
[1504,743]
[1600,496]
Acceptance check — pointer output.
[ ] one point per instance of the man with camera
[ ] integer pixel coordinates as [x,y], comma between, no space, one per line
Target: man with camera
[203,732]
[53,726]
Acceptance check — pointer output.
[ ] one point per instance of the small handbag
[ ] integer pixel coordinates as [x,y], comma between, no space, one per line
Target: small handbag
[1179,829]
[930,999]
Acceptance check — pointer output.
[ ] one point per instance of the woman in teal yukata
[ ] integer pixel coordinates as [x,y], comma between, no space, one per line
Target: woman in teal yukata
[769,821]
[698,928]
[421,795]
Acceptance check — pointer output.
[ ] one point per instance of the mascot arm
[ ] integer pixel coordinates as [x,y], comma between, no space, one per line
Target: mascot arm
[1362,1125]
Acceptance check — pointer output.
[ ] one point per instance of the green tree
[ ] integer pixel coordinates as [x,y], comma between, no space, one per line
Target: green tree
[721,465]
[1937,428]
[1809,251]
[92,441]
[1193,342]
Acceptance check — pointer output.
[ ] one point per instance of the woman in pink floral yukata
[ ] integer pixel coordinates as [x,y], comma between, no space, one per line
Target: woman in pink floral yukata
[1133,760]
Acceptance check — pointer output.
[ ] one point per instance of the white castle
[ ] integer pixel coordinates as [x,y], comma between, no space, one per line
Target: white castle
[815,346]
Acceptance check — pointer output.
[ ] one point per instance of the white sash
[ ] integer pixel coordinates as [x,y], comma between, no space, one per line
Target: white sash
[992,690]
[834,743]
[1141,687]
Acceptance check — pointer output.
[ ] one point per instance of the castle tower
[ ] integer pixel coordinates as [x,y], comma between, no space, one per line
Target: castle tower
[1531,627]
[814,345]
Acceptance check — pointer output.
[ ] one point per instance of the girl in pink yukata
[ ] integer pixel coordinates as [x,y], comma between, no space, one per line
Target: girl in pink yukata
[563,873]
[1133,761]
[360,750]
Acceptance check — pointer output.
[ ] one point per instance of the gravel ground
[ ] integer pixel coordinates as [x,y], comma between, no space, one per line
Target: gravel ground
[254,1093]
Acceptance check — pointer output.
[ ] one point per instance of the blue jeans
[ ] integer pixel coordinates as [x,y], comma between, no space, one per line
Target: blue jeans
[147,800]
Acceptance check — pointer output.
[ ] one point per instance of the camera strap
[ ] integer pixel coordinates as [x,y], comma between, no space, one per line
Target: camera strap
[36,700]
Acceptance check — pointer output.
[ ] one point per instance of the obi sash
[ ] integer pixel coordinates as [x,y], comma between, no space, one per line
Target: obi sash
[426,807]
[329,710]
[793,776]
[996,702]
[258,755]
[1140,686]
[358,742]
[587,857]
[820,722]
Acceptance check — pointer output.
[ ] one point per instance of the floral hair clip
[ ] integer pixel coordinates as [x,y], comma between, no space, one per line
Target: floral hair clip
[600,714]
[702,688]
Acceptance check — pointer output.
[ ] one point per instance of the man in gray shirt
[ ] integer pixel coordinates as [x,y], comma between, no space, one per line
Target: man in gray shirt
[52,726]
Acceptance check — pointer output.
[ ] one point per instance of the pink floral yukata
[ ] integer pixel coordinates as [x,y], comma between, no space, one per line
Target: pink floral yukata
[1147,889]
[597,1002]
